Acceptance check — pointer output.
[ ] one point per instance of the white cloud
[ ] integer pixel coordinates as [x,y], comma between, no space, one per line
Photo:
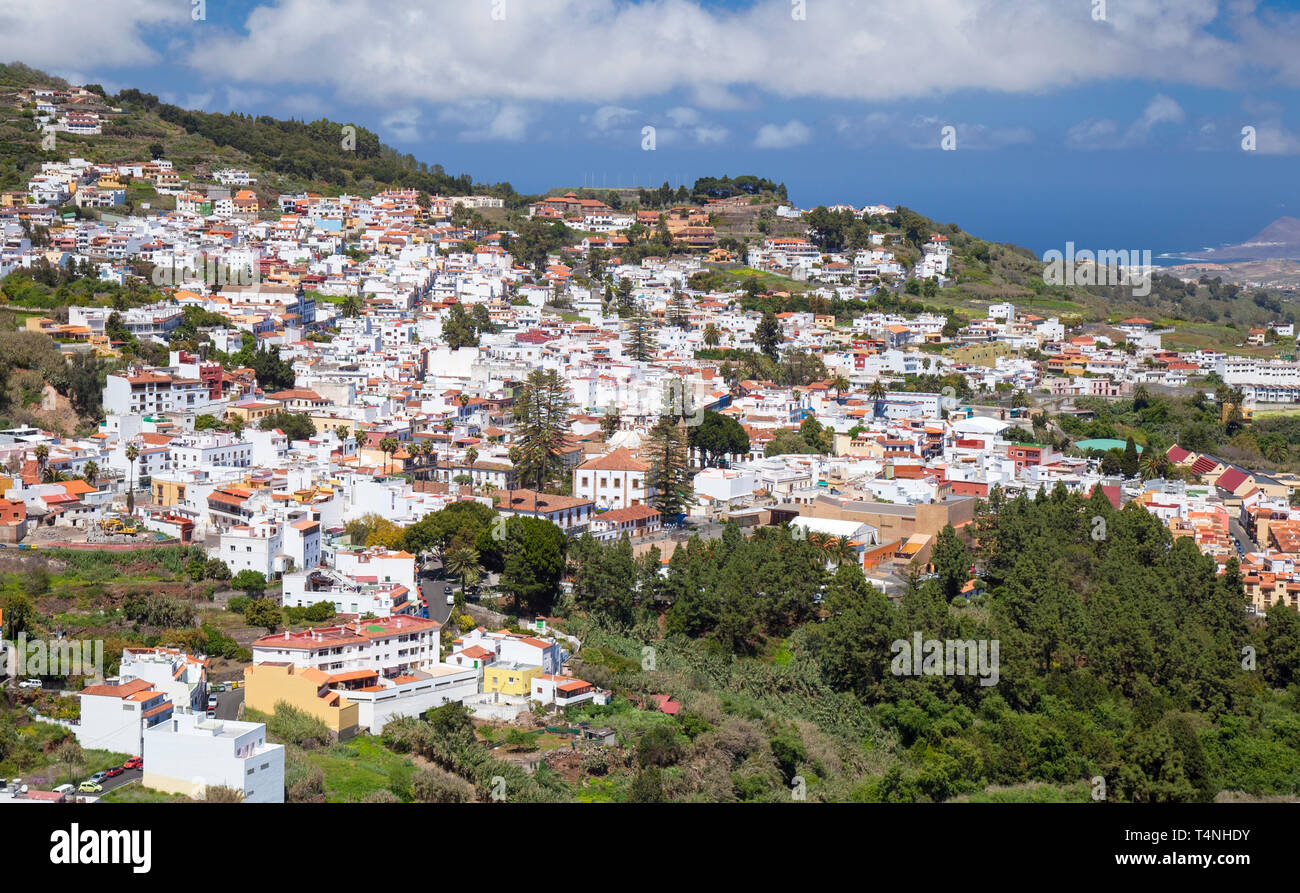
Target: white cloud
[49,33]
[711,136]
[1105,133]
[403,124]
[783,136]
[407,50]
[610,117]
[479,120]
[683,116]
[510,124]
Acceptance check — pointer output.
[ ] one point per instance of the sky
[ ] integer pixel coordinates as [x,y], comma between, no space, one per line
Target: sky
[1108,123]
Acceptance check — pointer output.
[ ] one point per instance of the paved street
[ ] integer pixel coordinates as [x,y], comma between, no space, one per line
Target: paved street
[228,704]
[127,776]
[434,591]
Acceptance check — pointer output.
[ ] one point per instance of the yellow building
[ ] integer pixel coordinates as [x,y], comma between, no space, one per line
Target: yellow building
[307,689]
[509,679]
[166,492]
[985,354]
[253,411]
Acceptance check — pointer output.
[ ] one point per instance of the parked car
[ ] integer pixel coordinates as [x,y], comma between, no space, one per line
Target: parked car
[212,702]
[134,763]
[98,777]
[451,599]
[30,683]
[64,789]
[90,787]
[114,772]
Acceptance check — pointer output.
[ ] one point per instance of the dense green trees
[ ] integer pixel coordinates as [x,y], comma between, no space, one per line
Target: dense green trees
[463,524]
[294,425]
[717,436]
[952,561]
[1124,656]
[460,329]
[534,553]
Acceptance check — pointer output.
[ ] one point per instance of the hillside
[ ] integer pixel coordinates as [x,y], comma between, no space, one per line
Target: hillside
[285,156]
[1279,240]
[292,156]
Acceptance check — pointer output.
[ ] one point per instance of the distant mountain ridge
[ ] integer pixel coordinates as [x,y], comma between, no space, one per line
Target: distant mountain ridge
[1279,240]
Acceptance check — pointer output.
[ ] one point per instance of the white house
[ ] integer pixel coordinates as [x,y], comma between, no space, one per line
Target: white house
[393,646]
[254,547]
[565,691]
[615,480]
[183,679]
[115,717]
[191,752]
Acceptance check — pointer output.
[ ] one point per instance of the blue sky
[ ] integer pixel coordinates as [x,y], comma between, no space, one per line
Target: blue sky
[1113,124]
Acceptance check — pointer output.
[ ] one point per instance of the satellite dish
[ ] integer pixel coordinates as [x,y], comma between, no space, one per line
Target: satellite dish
[22,789]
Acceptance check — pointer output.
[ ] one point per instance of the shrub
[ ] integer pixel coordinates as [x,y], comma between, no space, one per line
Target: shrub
[290,725]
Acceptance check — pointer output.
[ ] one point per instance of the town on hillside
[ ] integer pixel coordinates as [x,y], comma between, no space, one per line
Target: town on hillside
[336,479]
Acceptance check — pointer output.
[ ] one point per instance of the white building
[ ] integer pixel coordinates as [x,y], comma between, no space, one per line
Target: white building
[614,481]
[253,547]
[565,691]
[115,717]
[191,753]
[183,679]
[509,648]
[148,393]
[393,646]
[410,695]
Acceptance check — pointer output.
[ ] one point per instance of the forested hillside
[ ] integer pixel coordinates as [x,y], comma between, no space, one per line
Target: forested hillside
[1124,658]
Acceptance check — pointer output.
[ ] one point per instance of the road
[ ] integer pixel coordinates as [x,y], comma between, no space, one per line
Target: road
[434,591]
[228,704]
[127,776]
[1241,536]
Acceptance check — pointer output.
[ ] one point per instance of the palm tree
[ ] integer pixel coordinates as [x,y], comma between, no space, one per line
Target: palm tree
[839,384]
[711,335]
[132,453]
[877,393]
[841,550]
[42,456]
[1275,448]
[341,432]
[387,446]
[463,562]
[90,472]
[1153,464]
[52,475]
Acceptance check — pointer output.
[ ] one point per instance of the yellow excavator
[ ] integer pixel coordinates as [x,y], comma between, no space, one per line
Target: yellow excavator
[127,526]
